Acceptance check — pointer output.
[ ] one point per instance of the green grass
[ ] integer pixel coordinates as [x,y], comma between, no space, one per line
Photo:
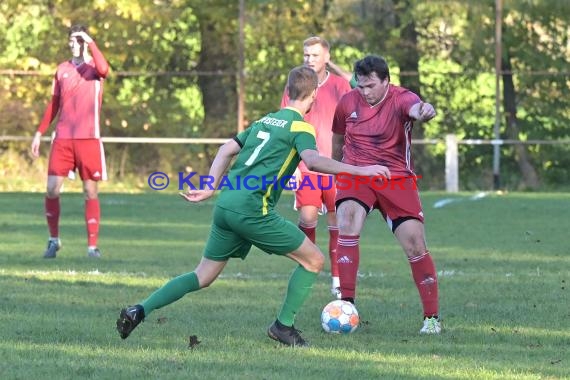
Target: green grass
[504,264]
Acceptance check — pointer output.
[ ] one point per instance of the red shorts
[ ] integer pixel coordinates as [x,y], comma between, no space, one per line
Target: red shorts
[85,155]
[316,190]
[395,198]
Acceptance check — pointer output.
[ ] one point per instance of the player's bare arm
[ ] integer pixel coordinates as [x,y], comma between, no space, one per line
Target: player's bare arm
[334,68]
[422,111]
[337,145]
[36,145]
[327,165]
[219,167]
[81,36]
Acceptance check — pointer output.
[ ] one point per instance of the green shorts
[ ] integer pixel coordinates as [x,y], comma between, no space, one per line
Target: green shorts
[233,234]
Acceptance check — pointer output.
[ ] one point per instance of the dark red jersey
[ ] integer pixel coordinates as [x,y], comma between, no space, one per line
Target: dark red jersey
[379,134]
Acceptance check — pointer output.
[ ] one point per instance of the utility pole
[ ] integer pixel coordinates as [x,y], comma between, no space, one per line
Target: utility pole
[241,68]
[498,77]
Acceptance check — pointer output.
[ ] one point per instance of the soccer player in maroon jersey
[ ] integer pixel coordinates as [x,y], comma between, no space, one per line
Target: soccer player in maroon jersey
[372,125]
[77,94]
[316,192]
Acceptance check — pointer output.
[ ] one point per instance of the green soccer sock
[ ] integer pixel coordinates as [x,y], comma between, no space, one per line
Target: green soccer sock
[300,285]
[172,291]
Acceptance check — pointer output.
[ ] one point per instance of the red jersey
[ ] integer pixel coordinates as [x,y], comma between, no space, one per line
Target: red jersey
[77,95]
[380,134]
[321,114]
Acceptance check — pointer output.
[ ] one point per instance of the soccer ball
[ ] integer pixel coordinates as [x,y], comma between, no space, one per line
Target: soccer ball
[339,317]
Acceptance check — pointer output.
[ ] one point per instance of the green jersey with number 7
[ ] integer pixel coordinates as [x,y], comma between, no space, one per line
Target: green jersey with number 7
[268,158]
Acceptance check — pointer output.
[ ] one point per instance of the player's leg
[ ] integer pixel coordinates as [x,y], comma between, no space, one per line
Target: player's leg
[311,261]
[52,211]
[404,210]
[204,274]
[276,235]
[60,163]
[354,200]
[92,216]
[351,215]
[329,196]
[222,244]
[308,202]
[90,161]
[308,220]
[411,236]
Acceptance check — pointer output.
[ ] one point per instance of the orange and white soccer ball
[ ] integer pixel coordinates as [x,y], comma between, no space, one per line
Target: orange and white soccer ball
[340,317]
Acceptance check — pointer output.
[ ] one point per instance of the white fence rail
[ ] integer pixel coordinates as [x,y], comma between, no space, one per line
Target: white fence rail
[451,148]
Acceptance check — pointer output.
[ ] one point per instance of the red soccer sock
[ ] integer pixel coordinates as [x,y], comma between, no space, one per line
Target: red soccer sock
[333,242]
[348,253]
[92,217]
[425,277]
[309,229]
[52,210]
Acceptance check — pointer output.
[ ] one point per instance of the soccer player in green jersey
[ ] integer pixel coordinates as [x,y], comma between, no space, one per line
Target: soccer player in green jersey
[267,154]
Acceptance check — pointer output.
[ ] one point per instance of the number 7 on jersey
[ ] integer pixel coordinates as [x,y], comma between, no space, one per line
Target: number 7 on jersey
[264,136]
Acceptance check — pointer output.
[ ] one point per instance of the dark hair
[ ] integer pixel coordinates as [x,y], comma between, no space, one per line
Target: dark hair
[372,64]
[302,81]
[77,28]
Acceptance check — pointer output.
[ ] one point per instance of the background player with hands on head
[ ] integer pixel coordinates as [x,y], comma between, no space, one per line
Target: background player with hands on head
[76,100]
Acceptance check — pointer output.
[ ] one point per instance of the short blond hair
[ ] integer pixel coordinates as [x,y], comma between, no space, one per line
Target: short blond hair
[317,40]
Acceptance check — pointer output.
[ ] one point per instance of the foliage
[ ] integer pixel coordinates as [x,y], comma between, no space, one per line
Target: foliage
[174,71]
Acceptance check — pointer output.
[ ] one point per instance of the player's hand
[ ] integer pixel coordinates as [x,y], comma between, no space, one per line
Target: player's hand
[36,145]
[197,195]
[82,36]
[375,171]
[426,112]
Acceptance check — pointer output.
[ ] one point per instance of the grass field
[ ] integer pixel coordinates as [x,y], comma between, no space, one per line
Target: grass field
[503,261]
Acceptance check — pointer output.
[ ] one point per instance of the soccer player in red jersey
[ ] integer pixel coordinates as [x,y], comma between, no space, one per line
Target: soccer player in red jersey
[372,125]
[315,192]
[77,94]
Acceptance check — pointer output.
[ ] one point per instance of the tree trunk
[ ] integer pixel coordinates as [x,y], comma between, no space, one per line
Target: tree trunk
[529,176]
[218,62]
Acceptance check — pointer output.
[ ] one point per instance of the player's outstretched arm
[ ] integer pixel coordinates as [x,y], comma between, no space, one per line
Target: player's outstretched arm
[322,164]
[217,170]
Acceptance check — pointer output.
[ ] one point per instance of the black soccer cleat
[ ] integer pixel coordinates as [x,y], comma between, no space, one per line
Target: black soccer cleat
[52,247]
[129,319]
[286,335]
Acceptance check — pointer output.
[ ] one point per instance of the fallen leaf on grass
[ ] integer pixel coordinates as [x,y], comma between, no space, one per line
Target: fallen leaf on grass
[193,341]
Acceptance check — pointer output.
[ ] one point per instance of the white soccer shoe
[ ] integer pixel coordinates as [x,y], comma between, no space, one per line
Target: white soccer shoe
[431,326]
